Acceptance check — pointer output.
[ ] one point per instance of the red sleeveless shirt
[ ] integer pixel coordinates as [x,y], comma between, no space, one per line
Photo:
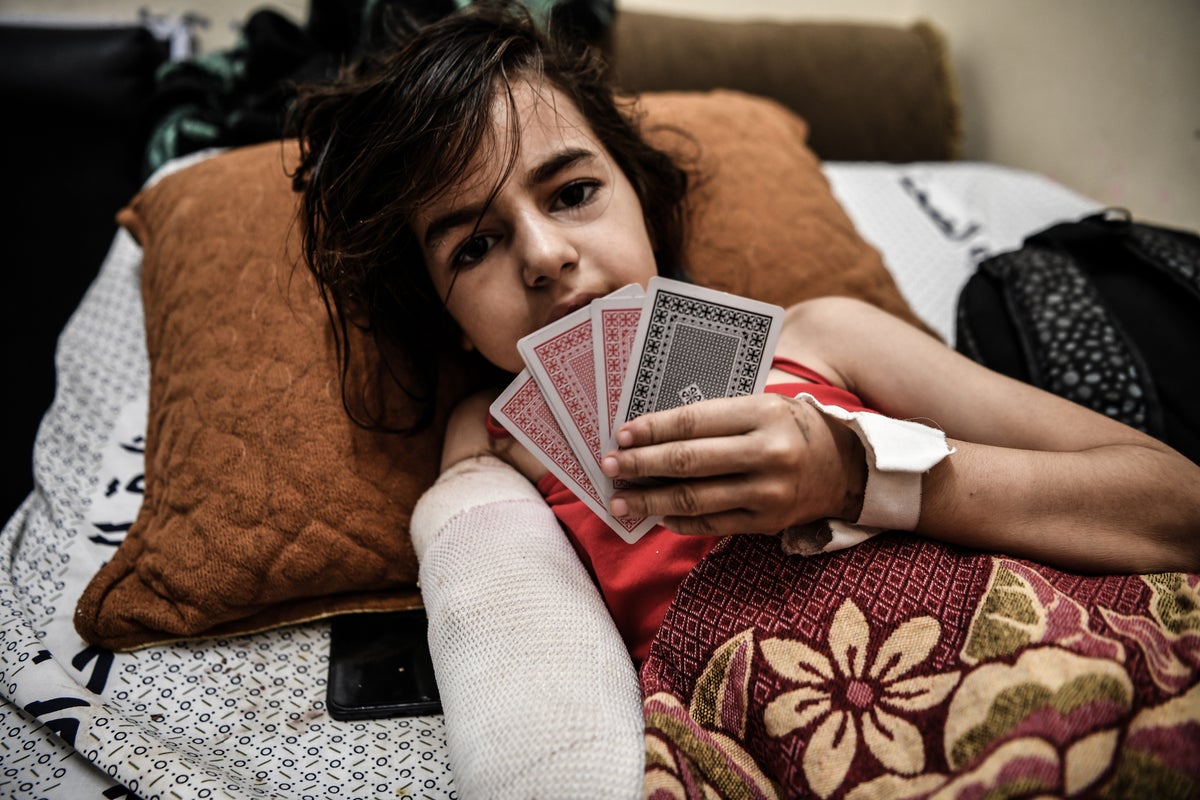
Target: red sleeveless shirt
[638,581]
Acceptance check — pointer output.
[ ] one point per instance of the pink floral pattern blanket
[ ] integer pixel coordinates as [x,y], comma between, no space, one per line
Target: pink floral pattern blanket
[903,668]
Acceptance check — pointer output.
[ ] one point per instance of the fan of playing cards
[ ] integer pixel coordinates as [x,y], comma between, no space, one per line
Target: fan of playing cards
[624,355]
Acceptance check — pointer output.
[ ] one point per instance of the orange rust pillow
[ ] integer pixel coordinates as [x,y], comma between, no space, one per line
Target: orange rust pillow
[264,504]
[763,221]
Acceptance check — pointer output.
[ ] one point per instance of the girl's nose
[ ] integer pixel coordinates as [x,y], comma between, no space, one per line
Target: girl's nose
[546,250]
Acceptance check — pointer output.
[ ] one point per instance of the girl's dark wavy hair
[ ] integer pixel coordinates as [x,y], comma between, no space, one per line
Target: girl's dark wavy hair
[401,127]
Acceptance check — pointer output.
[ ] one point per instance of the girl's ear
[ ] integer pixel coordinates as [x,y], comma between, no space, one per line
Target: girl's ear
[465,342]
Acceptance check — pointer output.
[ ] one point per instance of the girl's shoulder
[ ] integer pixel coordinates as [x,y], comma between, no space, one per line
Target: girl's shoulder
[468,434]
[813,330]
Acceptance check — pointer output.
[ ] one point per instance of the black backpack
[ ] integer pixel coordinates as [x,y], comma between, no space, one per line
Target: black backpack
[1105,312]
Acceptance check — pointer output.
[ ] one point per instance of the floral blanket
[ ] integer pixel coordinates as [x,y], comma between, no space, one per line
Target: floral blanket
[903,668]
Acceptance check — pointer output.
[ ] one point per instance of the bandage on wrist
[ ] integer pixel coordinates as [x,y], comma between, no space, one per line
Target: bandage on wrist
[898,453]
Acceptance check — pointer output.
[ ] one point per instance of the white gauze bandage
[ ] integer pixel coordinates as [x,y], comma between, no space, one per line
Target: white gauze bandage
[539,694]
[898,453]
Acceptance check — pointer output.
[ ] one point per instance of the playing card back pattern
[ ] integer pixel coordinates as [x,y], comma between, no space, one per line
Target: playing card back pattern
[570,366]
[696,349]
[524,412]
[617,329]
[531,420]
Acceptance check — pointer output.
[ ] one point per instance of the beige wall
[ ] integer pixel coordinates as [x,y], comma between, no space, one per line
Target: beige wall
[1102,95]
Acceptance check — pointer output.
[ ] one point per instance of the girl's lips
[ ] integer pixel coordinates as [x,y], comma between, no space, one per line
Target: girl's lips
[572,303]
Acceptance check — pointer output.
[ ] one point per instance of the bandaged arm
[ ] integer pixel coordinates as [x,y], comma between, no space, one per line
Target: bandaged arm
[539,693]
[898,453]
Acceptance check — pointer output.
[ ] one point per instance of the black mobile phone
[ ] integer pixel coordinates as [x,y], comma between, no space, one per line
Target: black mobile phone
[379,666]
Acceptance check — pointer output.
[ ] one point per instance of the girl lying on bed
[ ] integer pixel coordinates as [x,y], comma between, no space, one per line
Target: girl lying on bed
[480,182]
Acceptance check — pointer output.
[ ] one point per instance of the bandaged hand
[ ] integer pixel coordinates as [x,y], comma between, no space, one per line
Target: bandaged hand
[753,464]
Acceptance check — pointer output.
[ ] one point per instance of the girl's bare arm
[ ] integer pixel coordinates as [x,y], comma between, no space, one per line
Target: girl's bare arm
[1033,475]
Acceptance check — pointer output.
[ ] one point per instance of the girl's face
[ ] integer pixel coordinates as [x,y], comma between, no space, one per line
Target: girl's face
[565,228]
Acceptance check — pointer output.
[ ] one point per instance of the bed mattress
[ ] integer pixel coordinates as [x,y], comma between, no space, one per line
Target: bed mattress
[245,716]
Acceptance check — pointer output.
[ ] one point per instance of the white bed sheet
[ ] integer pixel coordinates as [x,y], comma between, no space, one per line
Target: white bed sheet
[934,222]
[245,717]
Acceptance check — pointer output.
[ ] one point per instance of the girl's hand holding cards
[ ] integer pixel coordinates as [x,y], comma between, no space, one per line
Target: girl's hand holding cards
[752,464]
[623,356]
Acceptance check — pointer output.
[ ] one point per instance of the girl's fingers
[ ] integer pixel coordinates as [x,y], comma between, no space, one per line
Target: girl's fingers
[734,465]
[702,498]
[726,416]
[688,498]
[695,458]
[714,437]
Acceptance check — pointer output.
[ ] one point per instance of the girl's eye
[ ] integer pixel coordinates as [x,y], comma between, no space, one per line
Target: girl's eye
[575,194]
[472,251]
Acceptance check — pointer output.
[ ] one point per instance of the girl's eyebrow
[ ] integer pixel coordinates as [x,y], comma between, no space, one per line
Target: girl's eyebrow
[556,163]
[447,222]
[545,171]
